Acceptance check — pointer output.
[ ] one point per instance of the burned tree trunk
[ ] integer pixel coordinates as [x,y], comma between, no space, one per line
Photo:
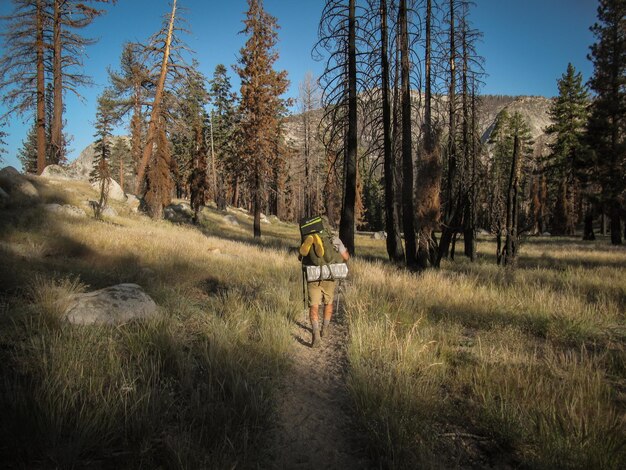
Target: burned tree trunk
[407,145]
[510,244]
[392,210]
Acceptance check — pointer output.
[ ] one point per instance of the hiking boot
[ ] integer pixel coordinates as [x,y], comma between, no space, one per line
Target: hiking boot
[316,340]
[325,333]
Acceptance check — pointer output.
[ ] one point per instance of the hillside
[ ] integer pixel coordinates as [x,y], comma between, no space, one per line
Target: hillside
[469,366]
[535,110]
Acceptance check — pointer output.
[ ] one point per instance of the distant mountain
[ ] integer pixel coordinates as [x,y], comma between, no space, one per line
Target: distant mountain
[535,110]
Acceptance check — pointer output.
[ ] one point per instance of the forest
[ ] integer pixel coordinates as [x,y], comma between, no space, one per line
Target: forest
[482,325]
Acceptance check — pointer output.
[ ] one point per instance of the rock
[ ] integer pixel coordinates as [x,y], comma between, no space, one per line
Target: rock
[274,219]
[133,202]
[382,235]
[264,219]
[178,213]
[115,190]
[183,208]
[65,209]
[111,306]
[109,212]
[21,192]
[81,167]
[4,198]
[231,219]
[546,234]
[55,171]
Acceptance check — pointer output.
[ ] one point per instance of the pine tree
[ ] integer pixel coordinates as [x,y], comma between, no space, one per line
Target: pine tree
[261,105]
[508,171]
[27,154]
[101,172]
[3,143]
[569,116]
[606,128]
[22,68]
[130,88]
[223,122]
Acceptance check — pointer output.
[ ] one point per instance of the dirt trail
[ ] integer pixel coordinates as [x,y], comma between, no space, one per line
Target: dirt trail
[313,430]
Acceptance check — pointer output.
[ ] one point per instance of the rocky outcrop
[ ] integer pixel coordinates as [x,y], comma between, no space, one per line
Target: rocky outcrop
[178,213]
[116,192]
[65,209]
[20,191]
[111,306]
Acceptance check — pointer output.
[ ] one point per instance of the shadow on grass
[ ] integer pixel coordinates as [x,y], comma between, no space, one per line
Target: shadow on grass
[153,395]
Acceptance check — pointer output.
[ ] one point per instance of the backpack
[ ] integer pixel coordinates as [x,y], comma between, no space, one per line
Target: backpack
[317,247]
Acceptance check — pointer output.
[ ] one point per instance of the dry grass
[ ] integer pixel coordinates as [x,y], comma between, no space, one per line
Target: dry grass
[478,366]
[468,366]
[192,389]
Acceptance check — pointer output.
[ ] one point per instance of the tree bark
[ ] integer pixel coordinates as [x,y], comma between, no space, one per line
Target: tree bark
[428,186]
[510,248]
[156,105]
[392,210]
[616,230]
[56,132]
[407,144]
[588,230]
[41,93]
[346,226]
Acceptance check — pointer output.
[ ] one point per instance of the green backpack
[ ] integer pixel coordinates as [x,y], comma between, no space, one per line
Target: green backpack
[316,227]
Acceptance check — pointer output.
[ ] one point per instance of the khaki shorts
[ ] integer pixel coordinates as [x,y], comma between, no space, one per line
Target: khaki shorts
[321,292]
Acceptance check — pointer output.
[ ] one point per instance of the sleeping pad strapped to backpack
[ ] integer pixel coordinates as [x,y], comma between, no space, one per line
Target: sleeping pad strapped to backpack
[317,247]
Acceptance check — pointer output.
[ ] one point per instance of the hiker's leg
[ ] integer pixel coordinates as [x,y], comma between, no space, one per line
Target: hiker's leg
[328,313]
[315,297]
[328,291]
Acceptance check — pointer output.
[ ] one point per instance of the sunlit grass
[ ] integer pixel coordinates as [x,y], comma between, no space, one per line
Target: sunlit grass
[527,363]
[471,365]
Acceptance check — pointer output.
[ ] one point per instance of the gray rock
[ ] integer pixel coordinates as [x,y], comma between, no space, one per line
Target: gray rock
[109,212]
[56,172]
[65,209]
[115,190]
[111,306]
[231,219]
[21,191]
[4,198]
[81,167]
[379,235]
[133,202]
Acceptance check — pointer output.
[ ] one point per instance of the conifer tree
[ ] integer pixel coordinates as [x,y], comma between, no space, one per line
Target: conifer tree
[101,172]
[3,143]
[22,67]
[261,105]
[508,171]
[68,51]
[131,87]
[569,116]
[27,154]
[606,128]
[223,121]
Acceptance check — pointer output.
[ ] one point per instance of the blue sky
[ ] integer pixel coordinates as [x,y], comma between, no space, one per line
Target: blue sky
[525,48]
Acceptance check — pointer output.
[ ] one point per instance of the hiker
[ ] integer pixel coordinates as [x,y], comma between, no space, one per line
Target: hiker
[320,247]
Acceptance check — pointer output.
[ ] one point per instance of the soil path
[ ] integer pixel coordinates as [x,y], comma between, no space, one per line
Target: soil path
[313,430]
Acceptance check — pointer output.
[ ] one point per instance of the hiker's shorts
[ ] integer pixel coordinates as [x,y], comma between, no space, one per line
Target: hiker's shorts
[321,292]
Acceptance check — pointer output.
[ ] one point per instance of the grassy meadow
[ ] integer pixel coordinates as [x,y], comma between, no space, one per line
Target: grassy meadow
[470,366]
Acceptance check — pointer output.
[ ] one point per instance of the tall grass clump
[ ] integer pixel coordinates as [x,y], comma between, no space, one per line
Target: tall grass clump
[477,366]
[192,388]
